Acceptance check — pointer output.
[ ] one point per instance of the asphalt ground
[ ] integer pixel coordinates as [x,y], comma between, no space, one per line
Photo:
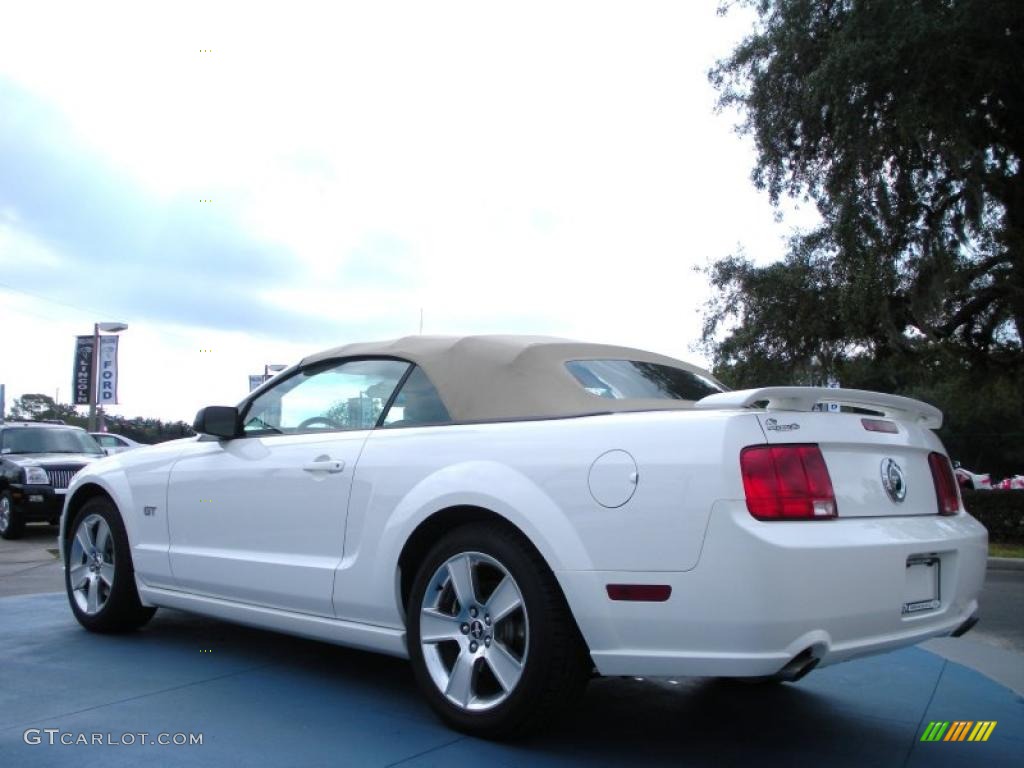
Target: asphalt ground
[260,698]
[29,565]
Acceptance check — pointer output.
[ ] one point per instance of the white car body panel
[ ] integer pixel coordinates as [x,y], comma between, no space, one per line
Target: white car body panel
[317,555]
[535,474]
[764,592]
[262,520]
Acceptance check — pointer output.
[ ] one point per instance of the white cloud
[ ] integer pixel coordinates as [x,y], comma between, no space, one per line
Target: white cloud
[533,166]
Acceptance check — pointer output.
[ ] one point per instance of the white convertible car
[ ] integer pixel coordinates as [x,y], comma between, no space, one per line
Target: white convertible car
[514,513]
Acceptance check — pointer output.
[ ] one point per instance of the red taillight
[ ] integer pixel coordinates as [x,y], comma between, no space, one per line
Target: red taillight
[945,484]
[787,482]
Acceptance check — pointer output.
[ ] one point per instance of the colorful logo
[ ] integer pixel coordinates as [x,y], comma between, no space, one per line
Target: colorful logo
[958,730]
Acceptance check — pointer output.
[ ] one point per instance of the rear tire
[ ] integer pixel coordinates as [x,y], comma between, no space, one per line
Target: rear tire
[493,644]
[12,525]
[98,574]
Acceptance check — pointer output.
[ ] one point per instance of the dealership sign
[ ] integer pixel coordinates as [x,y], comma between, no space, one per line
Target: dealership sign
[108,371]
[106,387]
[83,370]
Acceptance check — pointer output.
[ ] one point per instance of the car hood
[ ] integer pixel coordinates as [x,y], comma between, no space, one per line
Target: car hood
[51,459]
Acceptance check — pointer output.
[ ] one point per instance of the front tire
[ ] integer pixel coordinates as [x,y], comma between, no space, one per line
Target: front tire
[493,644]
[12,525]
[98,574]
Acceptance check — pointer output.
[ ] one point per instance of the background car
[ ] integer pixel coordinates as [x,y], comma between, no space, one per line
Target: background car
[975,481]
[112,443]
[37,462]
[1015,483]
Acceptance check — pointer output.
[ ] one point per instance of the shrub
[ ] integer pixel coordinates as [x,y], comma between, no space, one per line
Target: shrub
[1002,512]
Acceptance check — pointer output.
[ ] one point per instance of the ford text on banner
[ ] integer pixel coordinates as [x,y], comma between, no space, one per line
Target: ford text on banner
[107,393]
[82,378]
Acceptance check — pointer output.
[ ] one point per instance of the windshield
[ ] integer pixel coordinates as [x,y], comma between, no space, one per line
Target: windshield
[35,440]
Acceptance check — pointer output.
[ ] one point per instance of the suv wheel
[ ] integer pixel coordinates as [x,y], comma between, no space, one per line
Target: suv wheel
[11,523]
[98,574]
[493,644]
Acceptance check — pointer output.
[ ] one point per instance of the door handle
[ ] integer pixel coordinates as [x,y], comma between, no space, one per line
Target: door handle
[325,465]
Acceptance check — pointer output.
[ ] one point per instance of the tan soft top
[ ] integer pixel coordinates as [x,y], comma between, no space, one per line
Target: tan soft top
[490,378]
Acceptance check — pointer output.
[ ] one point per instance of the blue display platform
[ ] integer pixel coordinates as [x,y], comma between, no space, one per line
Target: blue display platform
[260,698]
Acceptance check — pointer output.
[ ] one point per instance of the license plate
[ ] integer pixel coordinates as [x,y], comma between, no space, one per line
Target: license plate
[921,592]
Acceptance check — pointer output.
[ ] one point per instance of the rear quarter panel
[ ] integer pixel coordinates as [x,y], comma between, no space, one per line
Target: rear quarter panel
[536,475]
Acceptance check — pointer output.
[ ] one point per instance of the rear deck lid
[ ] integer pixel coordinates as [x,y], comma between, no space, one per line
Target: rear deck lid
[878,463]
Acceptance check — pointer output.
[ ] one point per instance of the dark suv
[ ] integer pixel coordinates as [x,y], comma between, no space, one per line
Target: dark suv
[37,461]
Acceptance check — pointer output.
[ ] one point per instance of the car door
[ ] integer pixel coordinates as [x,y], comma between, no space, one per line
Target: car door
[260,518]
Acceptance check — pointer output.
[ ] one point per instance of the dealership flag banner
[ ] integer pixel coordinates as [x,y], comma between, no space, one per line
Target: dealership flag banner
[107,394]
[82,378]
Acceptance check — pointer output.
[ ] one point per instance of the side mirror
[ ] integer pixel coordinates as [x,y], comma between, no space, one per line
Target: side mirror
[218,420]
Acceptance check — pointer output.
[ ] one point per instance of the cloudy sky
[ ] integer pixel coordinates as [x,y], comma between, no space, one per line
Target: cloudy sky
[245,184]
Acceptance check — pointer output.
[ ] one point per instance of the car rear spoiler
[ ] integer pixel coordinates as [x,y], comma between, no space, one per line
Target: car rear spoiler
[805,398]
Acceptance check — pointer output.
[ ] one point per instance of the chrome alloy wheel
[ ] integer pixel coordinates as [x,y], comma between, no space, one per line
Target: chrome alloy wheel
[5,513]
[91,564]
[474,631]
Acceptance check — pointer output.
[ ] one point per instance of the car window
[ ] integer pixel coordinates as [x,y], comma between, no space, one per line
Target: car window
[327,396]
[417,404]
[632,379]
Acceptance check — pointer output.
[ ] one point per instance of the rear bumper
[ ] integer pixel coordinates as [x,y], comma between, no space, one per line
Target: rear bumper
[765,592]
[37,502]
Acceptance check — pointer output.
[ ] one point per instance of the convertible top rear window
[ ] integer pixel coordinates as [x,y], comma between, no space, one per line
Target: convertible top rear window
[635,380]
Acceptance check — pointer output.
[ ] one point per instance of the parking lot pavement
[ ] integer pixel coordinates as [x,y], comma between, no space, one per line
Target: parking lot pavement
[1002,610]
[261,698]
[29,565]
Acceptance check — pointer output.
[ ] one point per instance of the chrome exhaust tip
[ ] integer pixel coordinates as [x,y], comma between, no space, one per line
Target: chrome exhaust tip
[798,666]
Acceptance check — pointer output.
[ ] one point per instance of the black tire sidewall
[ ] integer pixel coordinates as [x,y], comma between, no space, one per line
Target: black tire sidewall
[16,526]
[122,608]
[513,555]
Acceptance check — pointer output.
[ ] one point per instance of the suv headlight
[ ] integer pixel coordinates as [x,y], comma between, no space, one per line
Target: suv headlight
[36,476]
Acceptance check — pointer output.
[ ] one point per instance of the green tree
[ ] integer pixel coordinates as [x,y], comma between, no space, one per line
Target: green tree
[903,122]
[39,407]
[147,431]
